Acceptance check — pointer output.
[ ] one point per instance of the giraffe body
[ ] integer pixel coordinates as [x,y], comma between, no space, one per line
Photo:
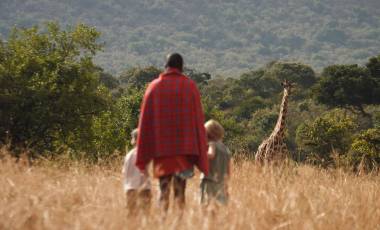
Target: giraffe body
[273,149]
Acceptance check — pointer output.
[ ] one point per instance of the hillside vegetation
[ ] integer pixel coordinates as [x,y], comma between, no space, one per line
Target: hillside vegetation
[55,100]
[217,36]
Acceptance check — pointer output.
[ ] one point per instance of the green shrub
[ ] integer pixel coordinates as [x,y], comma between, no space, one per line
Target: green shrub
[327,134]
[366,145]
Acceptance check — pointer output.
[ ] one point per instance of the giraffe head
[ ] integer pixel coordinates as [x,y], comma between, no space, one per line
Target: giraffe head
[287,85]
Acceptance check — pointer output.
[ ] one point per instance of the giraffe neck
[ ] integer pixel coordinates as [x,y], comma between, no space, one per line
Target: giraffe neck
[280,125]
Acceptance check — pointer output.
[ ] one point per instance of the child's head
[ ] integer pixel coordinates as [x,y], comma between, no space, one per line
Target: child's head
[134,135]
[214,130]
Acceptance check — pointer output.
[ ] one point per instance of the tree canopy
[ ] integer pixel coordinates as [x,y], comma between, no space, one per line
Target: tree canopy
[49,86]
[348,86]
[218,37]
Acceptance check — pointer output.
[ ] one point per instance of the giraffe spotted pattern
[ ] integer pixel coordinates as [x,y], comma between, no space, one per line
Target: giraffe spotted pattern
[274,148]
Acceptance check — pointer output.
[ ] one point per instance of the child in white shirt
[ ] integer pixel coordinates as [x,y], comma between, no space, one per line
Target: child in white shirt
[137,186]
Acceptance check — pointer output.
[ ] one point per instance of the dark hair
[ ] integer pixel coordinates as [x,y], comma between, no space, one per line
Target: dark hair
[174,60]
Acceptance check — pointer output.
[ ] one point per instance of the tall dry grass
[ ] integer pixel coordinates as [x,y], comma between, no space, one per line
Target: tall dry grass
[77,196]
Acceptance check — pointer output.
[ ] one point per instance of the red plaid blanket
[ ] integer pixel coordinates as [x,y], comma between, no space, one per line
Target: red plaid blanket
[172,121]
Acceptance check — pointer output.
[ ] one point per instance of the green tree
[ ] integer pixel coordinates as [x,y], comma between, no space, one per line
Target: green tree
[367,144]
[139,77]
[201,78]
[266,81]
[331,132]
[247,107]
[376,120]
[301,74]
[373,66]
[346,86]
[112,128]
[49,86]
[108,80]
[260,126]
[263,85]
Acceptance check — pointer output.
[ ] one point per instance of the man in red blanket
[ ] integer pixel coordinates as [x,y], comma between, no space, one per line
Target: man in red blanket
[171,131]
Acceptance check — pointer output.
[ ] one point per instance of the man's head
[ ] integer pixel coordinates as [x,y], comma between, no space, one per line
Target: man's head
[134,135]
[174,60]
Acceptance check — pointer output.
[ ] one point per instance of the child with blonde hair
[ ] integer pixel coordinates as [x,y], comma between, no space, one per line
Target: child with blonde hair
[137,185]
[215,185]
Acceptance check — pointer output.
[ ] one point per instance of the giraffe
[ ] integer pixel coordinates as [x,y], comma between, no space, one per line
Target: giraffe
[274,148]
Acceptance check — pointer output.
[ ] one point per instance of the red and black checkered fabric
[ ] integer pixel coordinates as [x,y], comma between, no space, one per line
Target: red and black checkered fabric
[172,121]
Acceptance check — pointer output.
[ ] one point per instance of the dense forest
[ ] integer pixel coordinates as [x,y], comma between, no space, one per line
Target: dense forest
[54,100]
[217,36]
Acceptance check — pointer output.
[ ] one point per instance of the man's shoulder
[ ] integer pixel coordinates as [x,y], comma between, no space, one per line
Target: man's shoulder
[178,77]
[180,81]
[152,87]
[188,82]
[188,79]
[154,83]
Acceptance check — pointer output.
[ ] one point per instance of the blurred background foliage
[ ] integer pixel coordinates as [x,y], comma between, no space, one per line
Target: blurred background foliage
[54,99]
[218,37]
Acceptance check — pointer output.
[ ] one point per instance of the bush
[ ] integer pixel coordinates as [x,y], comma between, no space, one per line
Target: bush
[112,128]
[366,146]
[327,134]
[49,87]
[346,86]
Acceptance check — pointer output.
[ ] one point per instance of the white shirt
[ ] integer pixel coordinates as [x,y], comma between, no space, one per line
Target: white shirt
[133,178]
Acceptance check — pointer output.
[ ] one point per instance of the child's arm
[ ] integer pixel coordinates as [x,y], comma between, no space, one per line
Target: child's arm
[145,173]
[211,150]
[124,168]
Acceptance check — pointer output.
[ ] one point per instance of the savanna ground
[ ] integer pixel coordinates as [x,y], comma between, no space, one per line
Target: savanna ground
[78,196]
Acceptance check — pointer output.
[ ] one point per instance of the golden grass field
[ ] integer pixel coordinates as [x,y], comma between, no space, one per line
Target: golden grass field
[76,196]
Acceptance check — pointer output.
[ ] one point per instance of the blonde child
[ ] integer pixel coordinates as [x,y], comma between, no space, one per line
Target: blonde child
[137,185]
[215,185]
